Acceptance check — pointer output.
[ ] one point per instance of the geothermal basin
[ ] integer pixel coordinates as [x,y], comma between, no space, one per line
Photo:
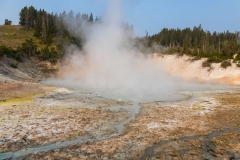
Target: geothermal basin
[42,121]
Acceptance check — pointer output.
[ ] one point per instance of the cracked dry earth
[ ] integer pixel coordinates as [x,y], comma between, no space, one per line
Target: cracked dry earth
[205,126]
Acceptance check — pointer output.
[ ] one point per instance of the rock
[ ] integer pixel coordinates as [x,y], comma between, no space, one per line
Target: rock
[99,151]
[174,154]
[193,152]
[49,157]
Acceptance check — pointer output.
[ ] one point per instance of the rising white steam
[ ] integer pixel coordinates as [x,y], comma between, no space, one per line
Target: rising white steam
[109,65]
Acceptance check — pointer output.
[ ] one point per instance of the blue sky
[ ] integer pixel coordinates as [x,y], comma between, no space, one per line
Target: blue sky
[150,15]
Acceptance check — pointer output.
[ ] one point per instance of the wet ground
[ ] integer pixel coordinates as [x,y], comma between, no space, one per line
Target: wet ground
[45,122]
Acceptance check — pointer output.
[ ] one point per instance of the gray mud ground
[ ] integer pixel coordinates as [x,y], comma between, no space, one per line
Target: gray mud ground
[45,122]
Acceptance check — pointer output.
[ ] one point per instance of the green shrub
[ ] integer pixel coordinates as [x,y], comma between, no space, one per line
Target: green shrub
[195,59]
[1,54]
[47,54]
[225,64]
[8,51]
[214,59]
[237,58]
[206,64]
[28,47]
[238,64]
[13,65]
[180,54]
[4,50]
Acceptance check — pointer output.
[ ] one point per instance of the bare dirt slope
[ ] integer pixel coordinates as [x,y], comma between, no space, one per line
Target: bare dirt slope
[186,68]
[29,69]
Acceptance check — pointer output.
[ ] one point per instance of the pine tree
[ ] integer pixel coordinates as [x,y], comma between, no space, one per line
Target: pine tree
[96,19]
[23,16]
[91,18]
[7,22]
[38,25]
[27,17]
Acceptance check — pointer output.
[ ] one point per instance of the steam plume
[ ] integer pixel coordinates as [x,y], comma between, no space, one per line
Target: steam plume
[109,65]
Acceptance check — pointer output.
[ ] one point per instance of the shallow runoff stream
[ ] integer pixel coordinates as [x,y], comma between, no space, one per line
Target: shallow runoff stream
[133,109]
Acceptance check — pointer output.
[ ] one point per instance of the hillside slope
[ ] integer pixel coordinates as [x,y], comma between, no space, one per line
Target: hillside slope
[184,67]
[14,35]
[30,69]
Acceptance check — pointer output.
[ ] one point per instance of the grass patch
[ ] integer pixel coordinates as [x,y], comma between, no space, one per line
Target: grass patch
[14,35]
